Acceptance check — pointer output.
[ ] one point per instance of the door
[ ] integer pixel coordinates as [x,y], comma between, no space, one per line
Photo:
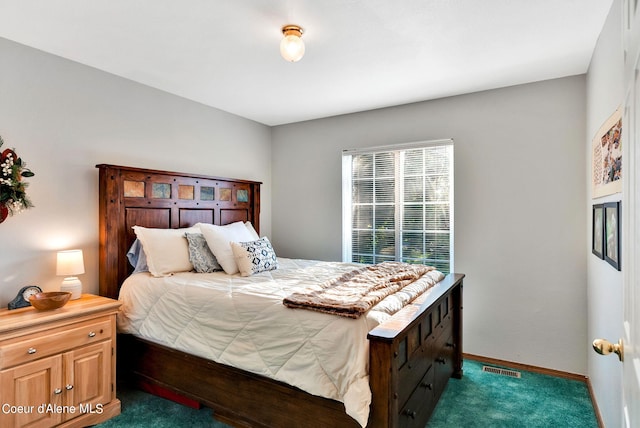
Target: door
[631,222]
[31,393]
[87,378]
[630,254]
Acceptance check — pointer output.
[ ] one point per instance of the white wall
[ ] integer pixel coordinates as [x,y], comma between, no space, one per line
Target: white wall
[64,118]
[519,208]
[605,93]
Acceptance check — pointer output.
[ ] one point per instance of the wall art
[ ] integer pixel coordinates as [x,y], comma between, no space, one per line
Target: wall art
[607,157]
[13,188]
[597,230]
[612,233]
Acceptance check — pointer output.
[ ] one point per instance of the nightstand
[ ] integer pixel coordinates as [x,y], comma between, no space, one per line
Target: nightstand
[57,368]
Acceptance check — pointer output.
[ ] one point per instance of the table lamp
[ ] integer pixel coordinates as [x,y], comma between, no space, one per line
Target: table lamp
[70,263]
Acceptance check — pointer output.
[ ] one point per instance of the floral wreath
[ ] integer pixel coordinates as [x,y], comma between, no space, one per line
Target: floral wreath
[13,196]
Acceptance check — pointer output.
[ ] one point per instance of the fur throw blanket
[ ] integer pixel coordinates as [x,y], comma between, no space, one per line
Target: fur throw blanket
[355,292]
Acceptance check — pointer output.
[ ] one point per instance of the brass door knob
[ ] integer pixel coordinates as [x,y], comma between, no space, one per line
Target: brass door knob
[604,347]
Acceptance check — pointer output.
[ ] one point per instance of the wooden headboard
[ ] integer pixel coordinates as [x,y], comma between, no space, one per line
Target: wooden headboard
[162,199]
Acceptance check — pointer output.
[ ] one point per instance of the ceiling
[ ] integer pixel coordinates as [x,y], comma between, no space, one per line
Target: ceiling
[360,54]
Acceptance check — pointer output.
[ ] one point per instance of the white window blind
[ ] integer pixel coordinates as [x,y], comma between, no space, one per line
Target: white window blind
[398,204]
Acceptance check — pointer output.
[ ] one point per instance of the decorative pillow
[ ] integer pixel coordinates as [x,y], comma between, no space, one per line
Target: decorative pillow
[200,254]
[254,256]
[167,250]
[252,231]
[219,238]
[137,258]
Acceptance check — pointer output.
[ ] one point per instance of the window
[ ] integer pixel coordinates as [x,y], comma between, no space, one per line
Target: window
[398,204]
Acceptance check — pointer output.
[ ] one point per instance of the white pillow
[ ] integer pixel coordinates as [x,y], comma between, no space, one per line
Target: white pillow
[219,238]
[252,230]
[255,256]
[167,250]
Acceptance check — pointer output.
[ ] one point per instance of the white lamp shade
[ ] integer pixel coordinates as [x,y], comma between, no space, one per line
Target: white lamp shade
[292,48]
[70,263]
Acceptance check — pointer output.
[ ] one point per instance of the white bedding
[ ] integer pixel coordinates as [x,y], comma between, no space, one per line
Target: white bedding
[242,322]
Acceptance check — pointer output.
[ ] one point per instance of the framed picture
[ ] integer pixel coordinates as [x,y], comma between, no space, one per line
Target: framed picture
[606,157]
[612,233]
[597,237]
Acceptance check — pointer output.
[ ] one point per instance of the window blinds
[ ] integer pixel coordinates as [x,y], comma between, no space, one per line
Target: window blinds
[398,204]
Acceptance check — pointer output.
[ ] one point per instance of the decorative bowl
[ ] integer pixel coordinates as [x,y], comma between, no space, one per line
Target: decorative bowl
[49,300]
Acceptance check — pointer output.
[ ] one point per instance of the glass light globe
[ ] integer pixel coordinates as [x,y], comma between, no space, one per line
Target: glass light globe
[292,48]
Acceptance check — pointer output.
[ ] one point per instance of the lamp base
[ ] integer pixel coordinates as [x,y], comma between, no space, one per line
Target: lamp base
[73,285]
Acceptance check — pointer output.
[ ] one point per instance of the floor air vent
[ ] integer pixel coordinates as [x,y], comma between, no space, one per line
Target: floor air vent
[503,372]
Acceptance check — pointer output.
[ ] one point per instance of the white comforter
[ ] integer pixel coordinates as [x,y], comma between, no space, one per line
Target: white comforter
[242,322]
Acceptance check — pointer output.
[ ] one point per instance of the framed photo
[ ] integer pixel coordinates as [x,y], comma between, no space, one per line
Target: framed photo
[612,233]
[597,237]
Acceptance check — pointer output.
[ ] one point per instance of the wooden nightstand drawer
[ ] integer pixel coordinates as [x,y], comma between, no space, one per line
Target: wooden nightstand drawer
[42,344]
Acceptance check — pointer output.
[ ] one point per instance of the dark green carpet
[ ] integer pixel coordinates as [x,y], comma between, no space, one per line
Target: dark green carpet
[486,400]
[479,399]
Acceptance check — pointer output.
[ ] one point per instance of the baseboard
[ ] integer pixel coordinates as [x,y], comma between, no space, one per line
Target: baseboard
[596,409]
[542,370]
[527,367]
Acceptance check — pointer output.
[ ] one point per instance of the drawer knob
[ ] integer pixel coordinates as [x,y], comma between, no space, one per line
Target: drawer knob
[57,391]
[31,351]
[69,387]
[411,413]
[441,360]
[92,334]
[450,345]
[427,385]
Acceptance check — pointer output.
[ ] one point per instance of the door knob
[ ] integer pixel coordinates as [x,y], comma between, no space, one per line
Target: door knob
[604,347]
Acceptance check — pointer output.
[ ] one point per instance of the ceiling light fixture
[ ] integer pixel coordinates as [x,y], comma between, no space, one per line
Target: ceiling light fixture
[292,46]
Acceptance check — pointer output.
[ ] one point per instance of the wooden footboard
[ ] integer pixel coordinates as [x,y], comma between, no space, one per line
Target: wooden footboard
[411,358]
[413,355]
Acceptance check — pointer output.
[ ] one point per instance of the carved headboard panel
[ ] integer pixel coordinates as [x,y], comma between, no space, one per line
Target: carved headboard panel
[162,199]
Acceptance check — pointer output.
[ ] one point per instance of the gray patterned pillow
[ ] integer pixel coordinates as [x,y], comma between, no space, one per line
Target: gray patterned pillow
[200,254]
[254,256]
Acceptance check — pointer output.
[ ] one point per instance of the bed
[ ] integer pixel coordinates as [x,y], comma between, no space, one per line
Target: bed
[410,356]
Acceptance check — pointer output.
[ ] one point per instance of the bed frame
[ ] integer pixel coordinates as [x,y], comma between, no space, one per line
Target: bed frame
[412,355]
